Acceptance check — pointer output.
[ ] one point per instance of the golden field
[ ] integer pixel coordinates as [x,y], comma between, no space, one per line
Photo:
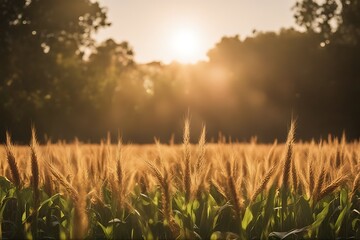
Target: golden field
[188,191]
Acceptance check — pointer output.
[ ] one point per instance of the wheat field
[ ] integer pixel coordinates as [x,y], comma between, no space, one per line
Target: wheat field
[190,191]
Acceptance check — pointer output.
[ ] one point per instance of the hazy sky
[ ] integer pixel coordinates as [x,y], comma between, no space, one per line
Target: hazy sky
[184,30]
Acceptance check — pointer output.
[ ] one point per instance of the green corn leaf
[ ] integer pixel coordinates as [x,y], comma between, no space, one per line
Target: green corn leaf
[49,201]
[343,198]
[107,230]
[248,216]
[283,235]
[195,204]
[340,219]
[320,217]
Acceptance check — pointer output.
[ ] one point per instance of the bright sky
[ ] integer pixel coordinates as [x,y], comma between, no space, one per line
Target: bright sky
[184,30]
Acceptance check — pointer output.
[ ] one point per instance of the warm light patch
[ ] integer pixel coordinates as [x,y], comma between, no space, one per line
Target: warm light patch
[185,46]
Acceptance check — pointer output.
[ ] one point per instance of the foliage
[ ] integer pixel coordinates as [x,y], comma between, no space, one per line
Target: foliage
[336,21]
[43,47]
[55,76]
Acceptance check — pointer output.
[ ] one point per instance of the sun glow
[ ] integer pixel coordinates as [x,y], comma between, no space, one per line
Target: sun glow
[185,46]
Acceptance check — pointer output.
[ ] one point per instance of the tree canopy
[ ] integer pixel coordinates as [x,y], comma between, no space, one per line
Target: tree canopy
[56,77]
[337,20]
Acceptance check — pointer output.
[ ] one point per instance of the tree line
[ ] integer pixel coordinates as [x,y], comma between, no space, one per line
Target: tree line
[54,76]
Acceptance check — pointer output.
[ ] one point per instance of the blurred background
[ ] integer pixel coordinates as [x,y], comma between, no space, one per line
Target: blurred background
[63,74]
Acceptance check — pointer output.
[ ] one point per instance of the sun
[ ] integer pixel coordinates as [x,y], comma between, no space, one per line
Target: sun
[185,46]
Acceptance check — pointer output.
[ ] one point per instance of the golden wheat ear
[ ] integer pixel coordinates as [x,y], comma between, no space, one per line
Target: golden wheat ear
[119,167]
[232,189]
[62,181]
[264,183]
[187,156]
[288,155]
[331,188]
[164,180]
[295,175]
[201,149]
[12,162]
[119,173]
[34,167]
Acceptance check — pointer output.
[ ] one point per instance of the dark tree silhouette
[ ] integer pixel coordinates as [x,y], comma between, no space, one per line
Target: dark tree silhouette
[42,43]
[54,75]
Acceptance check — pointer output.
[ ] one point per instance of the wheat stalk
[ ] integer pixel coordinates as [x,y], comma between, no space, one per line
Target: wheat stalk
[187,169]
[35,182]
[80,220]
[286,170]
[164,181]
[201,147]
[330,188]
[12,162]
[48,186]
[318,186]
[263,183]
[35,169]
[294,175]
[62,180]
[119,173]
[288,156]
[232,189]
[311,177]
